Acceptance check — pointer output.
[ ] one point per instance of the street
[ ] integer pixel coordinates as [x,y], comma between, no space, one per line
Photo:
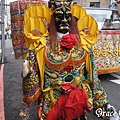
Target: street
[13,88]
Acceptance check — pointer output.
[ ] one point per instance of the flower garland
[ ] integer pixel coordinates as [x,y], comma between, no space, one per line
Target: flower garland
[68,41]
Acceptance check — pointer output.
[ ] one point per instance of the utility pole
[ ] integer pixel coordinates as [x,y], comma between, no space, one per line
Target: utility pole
[3,58]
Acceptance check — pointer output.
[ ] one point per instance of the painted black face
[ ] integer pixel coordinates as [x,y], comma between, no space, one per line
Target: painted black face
[62,16]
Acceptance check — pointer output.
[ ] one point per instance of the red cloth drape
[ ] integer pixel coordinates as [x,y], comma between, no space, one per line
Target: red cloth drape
[70,105]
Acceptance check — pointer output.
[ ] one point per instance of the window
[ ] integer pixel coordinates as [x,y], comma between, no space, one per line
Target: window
[94,4]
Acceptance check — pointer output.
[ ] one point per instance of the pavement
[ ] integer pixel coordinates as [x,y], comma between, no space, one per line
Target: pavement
[11,87]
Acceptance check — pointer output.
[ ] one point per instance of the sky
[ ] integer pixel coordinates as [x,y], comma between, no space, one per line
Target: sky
[8,1]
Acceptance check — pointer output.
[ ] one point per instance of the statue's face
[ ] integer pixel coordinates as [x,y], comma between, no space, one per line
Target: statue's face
[62,16]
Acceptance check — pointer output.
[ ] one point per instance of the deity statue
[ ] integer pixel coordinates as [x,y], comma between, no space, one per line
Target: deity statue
[59,70]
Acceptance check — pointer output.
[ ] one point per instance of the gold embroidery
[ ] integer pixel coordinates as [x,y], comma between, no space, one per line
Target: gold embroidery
[62,65]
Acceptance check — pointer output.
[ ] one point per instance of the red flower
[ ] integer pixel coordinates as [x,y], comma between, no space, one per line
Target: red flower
[68,41]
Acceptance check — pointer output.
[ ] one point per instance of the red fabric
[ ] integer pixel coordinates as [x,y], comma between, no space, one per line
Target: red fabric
[118,2]
[70,105]
[68,41]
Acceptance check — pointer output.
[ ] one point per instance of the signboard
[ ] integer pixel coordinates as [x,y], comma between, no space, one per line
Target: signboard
[107,51]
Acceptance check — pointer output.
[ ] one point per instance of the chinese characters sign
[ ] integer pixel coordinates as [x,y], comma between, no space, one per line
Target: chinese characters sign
[107,51]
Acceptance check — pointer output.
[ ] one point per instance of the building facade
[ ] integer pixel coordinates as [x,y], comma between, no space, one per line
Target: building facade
[94,3]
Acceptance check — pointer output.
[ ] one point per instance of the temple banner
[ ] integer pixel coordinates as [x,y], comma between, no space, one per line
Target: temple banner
[17,10]
[107,51]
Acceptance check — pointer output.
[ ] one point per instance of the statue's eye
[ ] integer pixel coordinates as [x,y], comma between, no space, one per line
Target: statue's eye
[59,15]
[68,16]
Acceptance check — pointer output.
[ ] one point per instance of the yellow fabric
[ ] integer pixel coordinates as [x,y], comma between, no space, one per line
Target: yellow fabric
[88,40]
[33,19]
[78,11]
[107,70]
[89,66]
[38,11]
[37,43]
[34,24]
[88,90]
